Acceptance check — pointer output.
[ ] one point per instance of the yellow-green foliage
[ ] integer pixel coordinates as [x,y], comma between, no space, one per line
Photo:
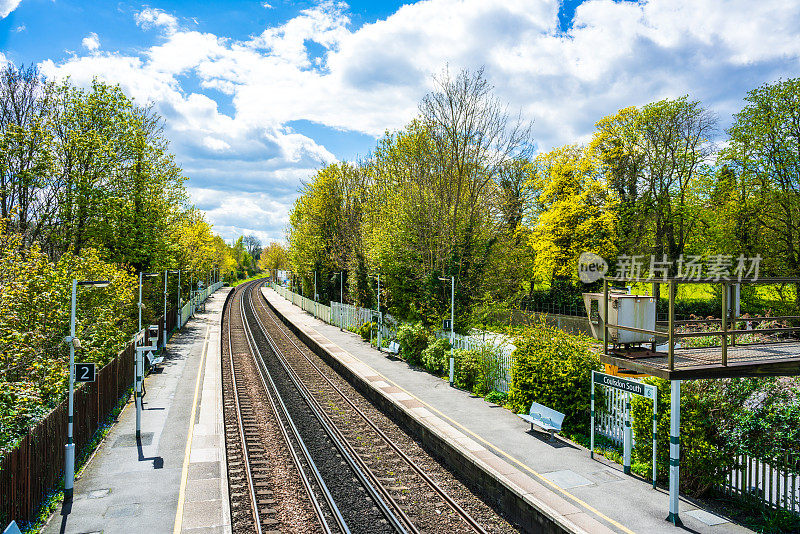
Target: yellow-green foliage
[435,355]
[34,318]
[577,211]
[553,368]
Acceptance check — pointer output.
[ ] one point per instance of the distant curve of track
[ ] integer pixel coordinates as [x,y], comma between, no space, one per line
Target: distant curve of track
[307,453]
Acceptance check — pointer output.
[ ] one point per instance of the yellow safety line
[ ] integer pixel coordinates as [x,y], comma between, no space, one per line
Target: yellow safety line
[185,470]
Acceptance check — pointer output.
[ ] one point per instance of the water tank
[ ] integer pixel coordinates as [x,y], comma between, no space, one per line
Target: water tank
[636,311]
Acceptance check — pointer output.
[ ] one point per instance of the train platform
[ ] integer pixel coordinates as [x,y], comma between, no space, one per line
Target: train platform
[173,479]
[557,478]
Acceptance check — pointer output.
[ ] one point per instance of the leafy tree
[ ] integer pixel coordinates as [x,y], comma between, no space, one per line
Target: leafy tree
[274,257]
[576,212]
[652,158]
[764,155]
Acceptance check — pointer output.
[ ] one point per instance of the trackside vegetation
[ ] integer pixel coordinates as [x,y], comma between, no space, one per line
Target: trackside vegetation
[88,190]
[461,192]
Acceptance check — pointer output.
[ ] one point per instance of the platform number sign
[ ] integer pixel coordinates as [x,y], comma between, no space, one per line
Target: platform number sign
[85,372]
[447,324]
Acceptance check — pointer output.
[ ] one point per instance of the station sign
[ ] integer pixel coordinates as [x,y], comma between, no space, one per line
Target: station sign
[627,385]
[85,372]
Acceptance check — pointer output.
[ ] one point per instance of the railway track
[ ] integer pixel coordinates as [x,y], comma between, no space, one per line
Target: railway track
[282,404]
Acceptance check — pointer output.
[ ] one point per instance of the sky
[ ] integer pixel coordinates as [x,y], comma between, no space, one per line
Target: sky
[257,96]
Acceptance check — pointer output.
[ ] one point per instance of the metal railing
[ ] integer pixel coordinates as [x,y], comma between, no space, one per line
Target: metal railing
[729,316]
[189,309]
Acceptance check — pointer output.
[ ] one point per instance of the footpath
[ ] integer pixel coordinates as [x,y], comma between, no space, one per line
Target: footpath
[558,477]
[174,479]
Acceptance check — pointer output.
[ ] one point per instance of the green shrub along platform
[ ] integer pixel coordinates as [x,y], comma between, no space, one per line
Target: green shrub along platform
[719,418]
[553,368]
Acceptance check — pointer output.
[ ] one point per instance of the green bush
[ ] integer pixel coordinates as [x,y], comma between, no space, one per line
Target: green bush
[720,419]
[705,456]
[413,339]
[367,331]
[477,370]
[553,368]
[497,397]
[436,355]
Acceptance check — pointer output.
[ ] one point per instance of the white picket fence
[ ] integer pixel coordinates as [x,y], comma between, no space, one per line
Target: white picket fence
[500,345]
[774,482]
[317,309]
[188,309]
[610,422]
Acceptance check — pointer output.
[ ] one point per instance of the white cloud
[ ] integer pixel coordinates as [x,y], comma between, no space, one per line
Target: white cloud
[7,6]
[156,18]
[266,5]
[91,42]
[21,28]
[316,67]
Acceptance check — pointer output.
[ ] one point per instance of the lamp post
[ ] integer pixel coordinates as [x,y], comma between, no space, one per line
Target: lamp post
[74,342]
[452,321]
[172,271]
[139,364]
[380,318]
[341,297]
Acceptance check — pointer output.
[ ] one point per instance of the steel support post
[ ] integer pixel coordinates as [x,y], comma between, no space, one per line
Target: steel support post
[627,437]
[69,449]
[380,317]
[164,341]
[674,451]
[655,429]
[591,435]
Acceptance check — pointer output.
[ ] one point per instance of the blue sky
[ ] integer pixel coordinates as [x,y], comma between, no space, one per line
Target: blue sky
[258,95]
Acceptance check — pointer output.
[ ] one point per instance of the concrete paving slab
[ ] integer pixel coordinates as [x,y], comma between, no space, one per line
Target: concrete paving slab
[707,517]
[566,479]
[610,500]
[175,474]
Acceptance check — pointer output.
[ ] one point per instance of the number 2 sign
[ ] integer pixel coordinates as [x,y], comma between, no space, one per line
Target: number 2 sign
[85,372]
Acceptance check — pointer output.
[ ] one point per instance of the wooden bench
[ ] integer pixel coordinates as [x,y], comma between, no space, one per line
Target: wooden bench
[545,418]
[393,348]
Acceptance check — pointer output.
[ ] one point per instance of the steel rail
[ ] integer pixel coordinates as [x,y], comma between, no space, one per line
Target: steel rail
[272,395]
[338,442]
[428,480]
[398,511]
[245,455]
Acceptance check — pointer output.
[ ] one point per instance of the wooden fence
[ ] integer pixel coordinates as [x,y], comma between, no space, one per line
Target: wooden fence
[33,469]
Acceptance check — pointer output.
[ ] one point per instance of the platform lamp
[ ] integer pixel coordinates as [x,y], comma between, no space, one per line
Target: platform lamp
[452,322]
[341,298]
[380,318]
[73,342]
[139,367]
[166,274]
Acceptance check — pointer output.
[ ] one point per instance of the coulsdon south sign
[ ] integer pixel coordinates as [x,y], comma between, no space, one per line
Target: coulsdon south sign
[631,386]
